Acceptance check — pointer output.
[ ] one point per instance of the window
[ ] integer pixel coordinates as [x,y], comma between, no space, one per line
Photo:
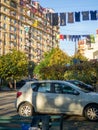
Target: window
[21,39]
[21,31]
[67,89]
[13,4]
[5,1]
[34,86]
[5,9]
[4,17]
[12,28]
[4,26]
[44,87]
[57,88]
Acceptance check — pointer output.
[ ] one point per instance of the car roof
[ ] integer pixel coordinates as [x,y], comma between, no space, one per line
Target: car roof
[27,85]
[41,81]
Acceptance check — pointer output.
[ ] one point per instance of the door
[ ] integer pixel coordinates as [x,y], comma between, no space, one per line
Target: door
[66,99]
[43,98]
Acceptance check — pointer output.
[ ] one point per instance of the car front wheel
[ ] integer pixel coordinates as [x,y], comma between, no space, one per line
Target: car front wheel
[91,112]
[25,109]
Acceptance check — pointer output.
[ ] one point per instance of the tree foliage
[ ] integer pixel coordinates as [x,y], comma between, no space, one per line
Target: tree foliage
[13,65]
[85,71]
[54,72]
[55,66]
[52,61]
[58,57]
[31,66]
[79,56]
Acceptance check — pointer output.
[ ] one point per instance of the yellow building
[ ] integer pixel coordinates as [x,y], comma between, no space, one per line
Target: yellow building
[25,29]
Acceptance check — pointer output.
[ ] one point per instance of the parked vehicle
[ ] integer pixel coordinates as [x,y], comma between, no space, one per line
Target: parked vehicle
[82,85]
[56,97]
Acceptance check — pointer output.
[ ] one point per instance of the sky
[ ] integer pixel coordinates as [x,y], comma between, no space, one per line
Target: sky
[77,28]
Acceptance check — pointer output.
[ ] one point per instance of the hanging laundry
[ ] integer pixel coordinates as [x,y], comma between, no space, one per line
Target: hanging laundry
[85,15]
[77,16]
[97,31]
[35,24]
[49,17]
[97,14]
[76,37]
[72,37]
[41,9]
[62,19]
[61,36]
[27,28]
[93,15]
[54,19]
[65,37]
[33,10]
[22,3]
[58,36]
[70,17]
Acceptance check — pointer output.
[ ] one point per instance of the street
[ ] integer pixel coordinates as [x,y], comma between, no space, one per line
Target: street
[7,108]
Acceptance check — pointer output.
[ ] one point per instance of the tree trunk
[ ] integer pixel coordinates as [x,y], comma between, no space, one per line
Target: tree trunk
[15,84]
[10,85]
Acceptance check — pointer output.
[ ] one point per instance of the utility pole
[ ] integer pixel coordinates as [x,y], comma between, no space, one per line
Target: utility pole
[75,47]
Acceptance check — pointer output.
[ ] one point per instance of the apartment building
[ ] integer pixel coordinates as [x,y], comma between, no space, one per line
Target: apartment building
[89,50]
[25,29]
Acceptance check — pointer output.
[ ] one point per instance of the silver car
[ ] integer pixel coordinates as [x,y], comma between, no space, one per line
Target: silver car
[56,97]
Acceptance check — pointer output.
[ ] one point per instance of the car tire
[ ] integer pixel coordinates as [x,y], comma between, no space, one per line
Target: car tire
[25,109]
[91,112]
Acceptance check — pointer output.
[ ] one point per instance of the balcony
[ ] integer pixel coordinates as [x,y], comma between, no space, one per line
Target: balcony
[6,4]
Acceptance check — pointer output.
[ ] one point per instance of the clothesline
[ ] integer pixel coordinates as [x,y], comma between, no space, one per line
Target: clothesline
[76,37]
[71,17]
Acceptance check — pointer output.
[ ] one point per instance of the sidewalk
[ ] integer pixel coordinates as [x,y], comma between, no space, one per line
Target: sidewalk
[5,88]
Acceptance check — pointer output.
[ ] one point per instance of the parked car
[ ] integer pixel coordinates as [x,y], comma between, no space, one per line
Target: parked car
[82,85]
[56,97]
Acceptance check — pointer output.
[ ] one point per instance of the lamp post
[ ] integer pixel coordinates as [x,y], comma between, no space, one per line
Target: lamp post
[75,47]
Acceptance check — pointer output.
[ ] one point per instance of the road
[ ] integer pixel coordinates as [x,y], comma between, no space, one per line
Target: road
[7,103]
[7,108]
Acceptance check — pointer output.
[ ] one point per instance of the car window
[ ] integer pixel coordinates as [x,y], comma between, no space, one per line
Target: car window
[67,89]
[57,88]
[34,86]
[44,87]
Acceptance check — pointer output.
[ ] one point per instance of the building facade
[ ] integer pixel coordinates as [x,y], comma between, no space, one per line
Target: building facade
[89,50]
[25,27]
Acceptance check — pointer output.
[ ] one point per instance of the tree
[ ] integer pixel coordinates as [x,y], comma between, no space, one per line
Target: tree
[58,57]
[13,66]
[31,66]
[78,58]
[52,63]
